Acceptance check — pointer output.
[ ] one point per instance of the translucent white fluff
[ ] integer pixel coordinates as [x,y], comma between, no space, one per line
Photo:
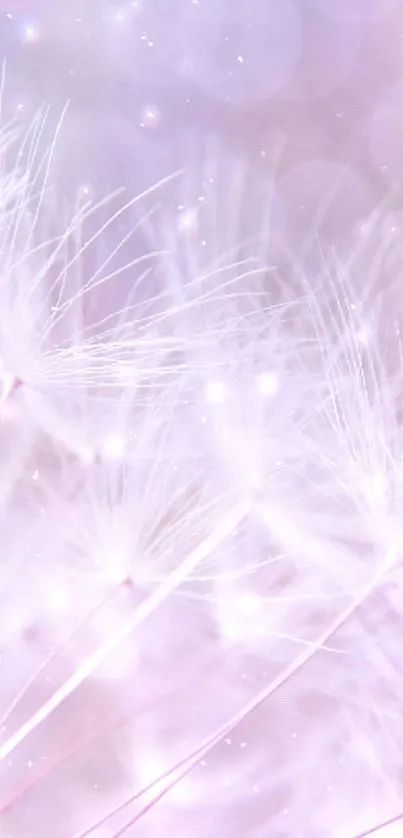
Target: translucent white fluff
[201,540]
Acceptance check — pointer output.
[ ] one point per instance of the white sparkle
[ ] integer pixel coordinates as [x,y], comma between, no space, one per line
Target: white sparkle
[30,33]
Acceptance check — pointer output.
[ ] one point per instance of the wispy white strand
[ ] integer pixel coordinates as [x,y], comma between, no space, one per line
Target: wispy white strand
[206,612]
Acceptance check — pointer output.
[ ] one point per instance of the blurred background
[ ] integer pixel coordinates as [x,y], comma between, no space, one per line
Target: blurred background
[286,114]
[305,94]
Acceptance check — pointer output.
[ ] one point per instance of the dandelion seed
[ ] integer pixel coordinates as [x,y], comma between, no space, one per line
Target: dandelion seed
[200,520]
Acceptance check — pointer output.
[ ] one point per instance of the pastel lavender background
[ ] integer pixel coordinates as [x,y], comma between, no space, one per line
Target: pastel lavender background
[306,95]
[315,84]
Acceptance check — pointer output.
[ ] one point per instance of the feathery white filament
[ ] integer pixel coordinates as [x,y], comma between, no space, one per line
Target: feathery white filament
[201,581]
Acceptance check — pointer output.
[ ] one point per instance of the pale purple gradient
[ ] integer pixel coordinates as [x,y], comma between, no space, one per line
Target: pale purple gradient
[264,681]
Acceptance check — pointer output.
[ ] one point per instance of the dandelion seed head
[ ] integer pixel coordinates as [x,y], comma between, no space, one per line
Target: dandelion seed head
[200,580]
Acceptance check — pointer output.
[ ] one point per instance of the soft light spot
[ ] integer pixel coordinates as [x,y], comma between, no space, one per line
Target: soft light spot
[30,33]
[215,392]
[268,384]
[113,447]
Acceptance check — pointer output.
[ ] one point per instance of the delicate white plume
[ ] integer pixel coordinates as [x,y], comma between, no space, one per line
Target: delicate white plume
[201,500]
